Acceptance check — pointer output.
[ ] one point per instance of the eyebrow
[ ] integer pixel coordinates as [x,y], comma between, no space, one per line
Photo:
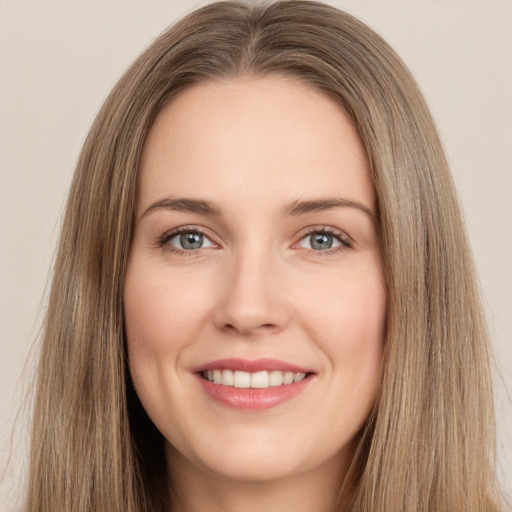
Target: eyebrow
[295,208]
[184,205]
[299,207]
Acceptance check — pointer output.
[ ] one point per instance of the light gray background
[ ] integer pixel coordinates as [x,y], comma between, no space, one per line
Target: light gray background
[58,61]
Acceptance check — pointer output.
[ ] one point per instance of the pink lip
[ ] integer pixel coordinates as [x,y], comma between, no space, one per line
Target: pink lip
[249,399]
[247,365]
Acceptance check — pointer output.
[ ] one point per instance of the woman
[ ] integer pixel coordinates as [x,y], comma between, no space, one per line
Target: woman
[264,194]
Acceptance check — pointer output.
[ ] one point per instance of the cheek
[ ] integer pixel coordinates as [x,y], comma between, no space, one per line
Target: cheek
[360,344]
[162,312]
[163,316]
[148,319]
[348,312]
[161,319]
[348,323]
[166,311]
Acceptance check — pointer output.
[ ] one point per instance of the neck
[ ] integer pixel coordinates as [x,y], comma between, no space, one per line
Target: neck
[195,489]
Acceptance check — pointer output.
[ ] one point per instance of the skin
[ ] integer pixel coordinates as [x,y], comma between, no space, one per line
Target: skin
[256,288]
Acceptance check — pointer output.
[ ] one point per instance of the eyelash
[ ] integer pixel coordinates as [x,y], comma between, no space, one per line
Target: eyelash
[164,239]
[345,242]
[342,238]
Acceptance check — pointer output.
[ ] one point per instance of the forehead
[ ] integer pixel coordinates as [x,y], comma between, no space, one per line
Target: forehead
[268,136]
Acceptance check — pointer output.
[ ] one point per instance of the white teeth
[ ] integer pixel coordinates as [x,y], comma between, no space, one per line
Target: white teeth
[256,380]
[288,378]
[275,378]
[227,378]
[259,380]
[242,380]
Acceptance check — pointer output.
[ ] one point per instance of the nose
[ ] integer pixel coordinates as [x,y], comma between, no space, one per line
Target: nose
[253,298]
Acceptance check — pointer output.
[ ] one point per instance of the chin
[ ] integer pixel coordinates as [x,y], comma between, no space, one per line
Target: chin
[269,458]
[254,468]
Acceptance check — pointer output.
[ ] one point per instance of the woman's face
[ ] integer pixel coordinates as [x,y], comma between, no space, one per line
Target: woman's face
[255,262]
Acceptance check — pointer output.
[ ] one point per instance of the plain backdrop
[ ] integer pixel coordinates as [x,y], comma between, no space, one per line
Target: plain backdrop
[58,61]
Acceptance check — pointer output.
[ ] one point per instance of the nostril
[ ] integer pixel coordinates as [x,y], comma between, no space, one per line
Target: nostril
[247,329]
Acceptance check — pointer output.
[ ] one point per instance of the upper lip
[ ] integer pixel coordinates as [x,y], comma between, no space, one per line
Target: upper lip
[251,365]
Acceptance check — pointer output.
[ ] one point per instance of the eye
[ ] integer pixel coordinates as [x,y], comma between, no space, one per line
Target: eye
[187,240]
[323,240]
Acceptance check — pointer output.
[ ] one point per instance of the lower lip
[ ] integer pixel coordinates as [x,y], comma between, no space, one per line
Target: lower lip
[251,399]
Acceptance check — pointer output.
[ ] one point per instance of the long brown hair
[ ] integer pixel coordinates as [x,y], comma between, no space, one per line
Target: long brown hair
[429,443]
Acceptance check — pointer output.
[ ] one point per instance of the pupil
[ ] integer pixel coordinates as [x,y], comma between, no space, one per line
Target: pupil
[321,241]
[191,240]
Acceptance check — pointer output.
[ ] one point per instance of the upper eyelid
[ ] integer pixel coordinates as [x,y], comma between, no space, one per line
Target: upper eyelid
[184,229]
[326,229]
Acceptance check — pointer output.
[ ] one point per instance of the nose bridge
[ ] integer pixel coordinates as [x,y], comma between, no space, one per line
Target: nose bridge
[252,298]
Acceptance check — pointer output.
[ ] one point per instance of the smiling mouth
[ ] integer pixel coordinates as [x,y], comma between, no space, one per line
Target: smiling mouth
[255,380]
[252,385]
